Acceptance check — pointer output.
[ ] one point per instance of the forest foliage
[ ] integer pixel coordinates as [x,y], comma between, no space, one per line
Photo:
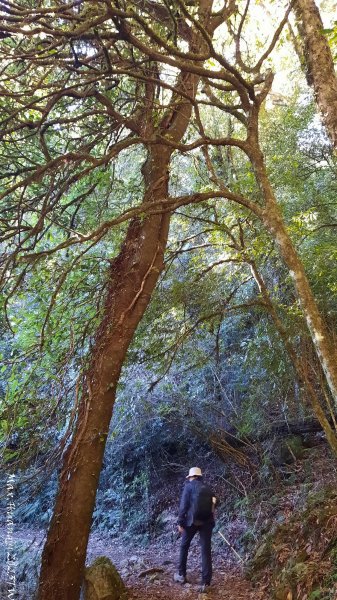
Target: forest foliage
[236,330]
[205,334]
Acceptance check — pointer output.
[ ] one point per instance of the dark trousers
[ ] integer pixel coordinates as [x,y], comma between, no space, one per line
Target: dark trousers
[205,532]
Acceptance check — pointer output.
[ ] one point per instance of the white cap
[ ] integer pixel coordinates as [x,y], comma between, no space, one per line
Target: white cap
[194,472]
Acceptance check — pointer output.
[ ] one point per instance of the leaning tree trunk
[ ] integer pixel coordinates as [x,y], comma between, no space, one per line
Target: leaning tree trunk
[133,276]
[274,223]
[295,359]
[319,64]
[273,220]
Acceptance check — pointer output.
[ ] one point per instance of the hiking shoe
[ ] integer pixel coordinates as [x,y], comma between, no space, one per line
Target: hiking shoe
[179,578]
[204,588]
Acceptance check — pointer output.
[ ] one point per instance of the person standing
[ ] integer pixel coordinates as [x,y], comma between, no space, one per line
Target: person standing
[196,514]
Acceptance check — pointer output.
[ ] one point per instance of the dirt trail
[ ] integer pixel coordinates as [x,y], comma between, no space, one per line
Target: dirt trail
[148,571]
[228,581]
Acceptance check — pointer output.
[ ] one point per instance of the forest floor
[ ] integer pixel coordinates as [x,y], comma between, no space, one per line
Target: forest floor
[148,571]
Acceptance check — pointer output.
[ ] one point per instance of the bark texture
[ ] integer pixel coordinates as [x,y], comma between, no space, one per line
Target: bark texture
[319,64]
[274,223]
[132,279]
[133,276]
[273,220]
[296,361]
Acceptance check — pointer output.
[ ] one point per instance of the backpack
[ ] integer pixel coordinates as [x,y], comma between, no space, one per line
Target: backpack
[202,503]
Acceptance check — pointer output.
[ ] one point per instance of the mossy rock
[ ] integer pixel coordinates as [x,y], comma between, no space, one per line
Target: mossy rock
[103,582]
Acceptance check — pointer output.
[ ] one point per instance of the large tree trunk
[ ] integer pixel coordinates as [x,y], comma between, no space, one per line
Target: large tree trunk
[296,360]
[273,220]
[133,276]
[319,63]
[274,223]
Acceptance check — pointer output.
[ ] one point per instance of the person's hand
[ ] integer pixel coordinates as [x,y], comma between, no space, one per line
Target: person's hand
[180,529]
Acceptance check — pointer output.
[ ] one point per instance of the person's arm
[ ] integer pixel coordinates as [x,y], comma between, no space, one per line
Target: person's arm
[183,507]
[214,502]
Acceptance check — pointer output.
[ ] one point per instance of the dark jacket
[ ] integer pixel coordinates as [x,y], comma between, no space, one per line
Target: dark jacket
[185,517]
